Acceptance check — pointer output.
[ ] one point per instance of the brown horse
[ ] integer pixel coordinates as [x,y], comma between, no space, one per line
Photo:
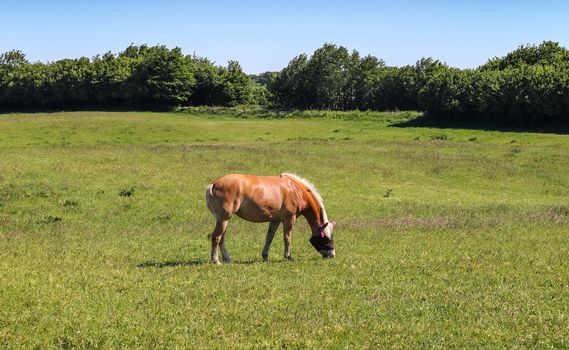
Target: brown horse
[272,199]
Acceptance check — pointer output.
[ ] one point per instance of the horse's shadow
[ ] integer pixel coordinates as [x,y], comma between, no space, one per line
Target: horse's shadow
[175,263]
[171,263]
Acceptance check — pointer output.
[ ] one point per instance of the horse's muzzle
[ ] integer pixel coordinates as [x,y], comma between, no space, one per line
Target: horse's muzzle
[324,246]
[328,253]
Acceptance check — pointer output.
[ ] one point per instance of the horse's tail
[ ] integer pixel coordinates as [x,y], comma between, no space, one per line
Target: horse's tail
[209,197]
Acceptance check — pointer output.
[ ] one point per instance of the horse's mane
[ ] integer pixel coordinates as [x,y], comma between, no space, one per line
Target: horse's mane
[312,189]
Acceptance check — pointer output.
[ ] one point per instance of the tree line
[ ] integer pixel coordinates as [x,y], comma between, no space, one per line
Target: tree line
[138,77]
[527,86]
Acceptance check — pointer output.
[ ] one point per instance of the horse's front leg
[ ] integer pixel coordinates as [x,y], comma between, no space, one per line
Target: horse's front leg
[273,226]
[224,253]
[216,237]
[287,230]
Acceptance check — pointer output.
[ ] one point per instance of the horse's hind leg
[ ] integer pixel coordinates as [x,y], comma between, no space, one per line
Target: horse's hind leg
[217,237]
[273,226]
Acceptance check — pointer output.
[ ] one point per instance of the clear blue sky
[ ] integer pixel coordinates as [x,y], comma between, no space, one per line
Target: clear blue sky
[265,35]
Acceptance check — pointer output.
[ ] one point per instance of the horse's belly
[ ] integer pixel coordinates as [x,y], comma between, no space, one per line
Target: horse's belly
[257,212]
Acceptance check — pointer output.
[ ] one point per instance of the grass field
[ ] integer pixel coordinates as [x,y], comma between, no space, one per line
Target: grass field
[446,238]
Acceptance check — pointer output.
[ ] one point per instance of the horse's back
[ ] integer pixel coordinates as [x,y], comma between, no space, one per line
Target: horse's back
[251,197]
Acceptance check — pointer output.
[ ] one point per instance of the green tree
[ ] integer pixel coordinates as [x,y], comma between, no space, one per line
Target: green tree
[263,78]
[69,83]
[9,62]
[362,74]
[111,75]
[27,87]
[289,88]
[546,53]
[327,76]
[208,89]
[237,85]
[160,77]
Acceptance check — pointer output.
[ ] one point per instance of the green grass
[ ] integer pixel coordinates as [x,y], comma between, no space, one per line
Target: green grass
[454,241]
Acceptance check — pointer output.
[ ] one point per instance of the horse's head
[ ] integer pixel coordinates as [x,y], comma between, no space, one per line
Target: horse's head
[322,239]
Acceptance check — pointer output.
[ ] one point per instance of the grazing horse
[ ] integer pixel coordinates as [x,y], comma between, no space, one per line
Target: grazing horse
[272,199]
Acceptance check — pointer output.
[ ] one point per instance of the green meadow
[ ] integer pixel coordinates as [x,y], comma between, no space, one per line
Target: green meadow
[446,238]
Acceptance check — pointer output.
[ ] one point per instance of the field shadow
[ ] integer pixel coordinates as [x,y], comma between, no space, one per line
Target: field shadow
[560,128]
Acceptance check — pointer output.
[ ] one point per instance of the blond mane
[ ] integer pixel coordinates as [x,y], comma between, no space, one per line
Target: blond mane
[314,191]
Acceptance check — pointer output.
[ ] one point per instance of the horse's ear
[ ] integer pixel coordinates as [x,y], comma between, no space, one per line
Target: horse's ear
[333,223]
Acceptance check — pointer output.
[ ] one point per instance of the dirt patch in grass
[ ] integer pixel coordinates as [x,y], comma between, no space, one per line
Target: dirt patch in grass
[558,214]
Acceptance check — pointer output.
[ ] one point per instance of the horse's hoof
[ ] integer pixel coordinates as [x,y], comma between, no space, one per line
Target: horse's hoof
[215,262]
[227,261]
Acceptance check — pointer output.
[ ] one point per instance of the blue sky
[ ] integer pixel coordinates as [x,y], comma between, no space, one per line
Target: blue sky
[265,35]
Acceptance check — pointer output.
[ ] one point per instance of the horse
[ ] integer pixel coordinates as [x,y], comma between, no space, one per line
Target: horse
[272,199]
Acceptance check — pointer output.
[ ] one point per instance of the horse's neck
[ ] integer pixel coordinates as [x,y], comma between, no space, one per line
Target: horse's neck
[314,212]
